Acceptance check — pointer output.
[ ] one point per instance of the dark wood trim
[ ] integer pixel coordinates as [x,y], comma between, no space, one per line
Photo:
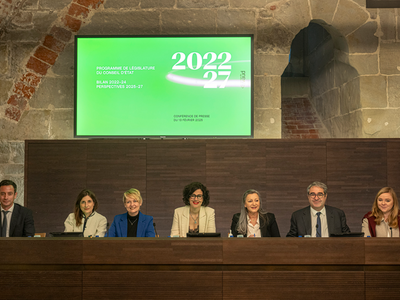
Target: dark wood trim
[383,3]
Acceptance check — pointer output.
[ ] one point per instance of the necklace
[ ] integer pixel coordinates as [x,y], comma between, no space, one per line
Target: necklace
[132,222]
[195,220]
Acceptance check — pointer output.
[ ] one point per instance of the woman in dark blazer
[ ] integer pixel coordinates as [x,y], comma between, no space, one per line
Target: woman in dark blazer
[253,221]
[133,223]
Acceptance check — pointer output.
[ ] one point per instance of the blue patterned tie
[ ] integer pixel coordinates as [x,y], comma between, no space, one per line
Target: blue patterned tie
[318,224]
[4,228]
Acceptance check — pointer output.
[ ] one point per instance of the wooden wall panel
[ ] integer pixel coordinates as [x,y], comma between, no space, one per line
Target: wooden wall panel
[393,166]
[55,172]
[232,168]
[113,167]
[293,285]
[291,167]
[145,251]
[303,251]
[382,251]
[356,170]
[40,251]
[383,285]
[172,285]
[171,165]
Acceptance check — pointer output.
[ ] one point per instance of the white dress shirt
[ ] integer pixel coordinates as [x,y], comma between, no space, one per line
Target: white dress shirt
[253,230]
[324,223]
[10,212]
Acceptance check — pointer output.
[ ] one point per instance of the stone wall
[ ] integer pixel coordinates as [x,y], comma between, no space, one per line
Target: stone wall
[36,58]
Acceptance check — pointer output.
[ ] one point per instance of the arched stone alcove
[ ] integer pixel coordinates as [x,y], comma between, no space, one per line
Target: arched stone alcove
[339,92]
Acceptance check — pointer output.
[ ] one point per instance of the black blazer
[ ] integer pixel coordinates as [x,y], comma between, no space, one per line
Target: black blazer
[300,223]
[268,229]
[21,222]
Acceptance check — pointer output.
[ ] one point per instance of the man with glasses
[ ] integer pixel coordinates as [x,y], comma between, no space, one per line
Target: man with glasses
[318,219]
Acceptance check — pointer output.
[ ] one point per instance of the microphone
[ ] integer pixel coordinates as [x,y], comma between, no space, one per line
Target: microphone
[316,228]
[391,233]
[154,224]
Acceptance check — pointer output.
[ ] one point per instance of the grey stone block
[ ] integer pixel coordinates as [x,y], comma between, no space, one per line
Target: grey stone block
[344,73]
[5,152]
[65,63]
[34,124]
[267,123]
[62,124]
[273,37]
[55,5]
[202,3]
[373,13]
[4,59]
[294,15]
[323,9]
[350,96]
[373,91]
[363,40]
[55,93]
[394,91]
[121,4]
[5,88]
[349,16]
[365,64]
[17,152]
[387,17]
[266,13]
[381,123]
[236,21]
[23,20]
[269,64]
[362,3]
[267,92]
[389,58]
[31,4]
[188,21]
[12,170]
[123,23]
[328,104]
[352,125]
[19,54]
[250,3]
[41,22]
[323,80]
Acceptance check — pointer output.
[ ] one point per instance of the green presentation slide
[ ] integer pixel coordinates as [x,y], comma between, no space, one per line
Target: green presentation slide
[163,86]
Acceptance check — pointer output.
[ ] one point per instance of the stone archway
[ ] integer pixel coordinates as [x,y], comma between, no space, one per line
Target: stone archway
[339,102]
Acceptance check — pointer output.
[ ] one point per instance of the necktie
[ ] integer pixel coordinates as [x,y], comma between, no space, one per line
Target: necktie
[4,228]
[318,224]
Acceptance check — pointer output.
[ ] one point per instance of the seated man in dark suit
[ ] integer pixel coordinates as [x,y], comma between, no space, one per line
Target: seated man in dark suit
[16,220]
[318,219]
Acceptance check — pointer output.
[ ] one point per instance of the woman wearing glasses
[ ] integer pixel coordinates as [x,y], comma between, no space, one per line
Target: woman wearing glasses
[384,219]
[195,216]
[253,221]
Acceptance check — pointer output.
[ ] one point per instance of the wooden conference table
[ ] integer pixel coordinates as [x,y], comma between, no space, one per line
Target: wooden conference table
[202,268]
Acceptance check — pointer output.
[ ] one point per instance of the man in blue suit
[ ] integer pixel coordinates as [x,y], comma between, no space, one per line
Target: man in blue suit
[318,219]
[133,223]
[16,220]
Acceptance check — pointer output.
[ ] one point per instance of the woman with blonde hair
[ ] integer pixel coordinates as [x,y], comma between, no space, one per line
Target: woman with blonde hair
[132,223]
[384,218]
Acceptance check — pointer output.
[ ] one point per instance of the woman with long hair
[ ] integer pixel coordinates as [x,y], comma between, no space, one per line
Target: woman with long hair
[384,218]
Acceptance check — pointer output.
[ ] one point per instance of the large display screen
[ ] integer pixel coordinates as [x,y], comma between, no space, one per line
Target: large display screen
[164,86]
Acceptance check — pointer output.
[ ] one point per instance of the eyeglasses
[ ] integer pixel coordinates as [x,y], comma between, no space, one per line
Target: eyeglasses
[193,196]
[313,195]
